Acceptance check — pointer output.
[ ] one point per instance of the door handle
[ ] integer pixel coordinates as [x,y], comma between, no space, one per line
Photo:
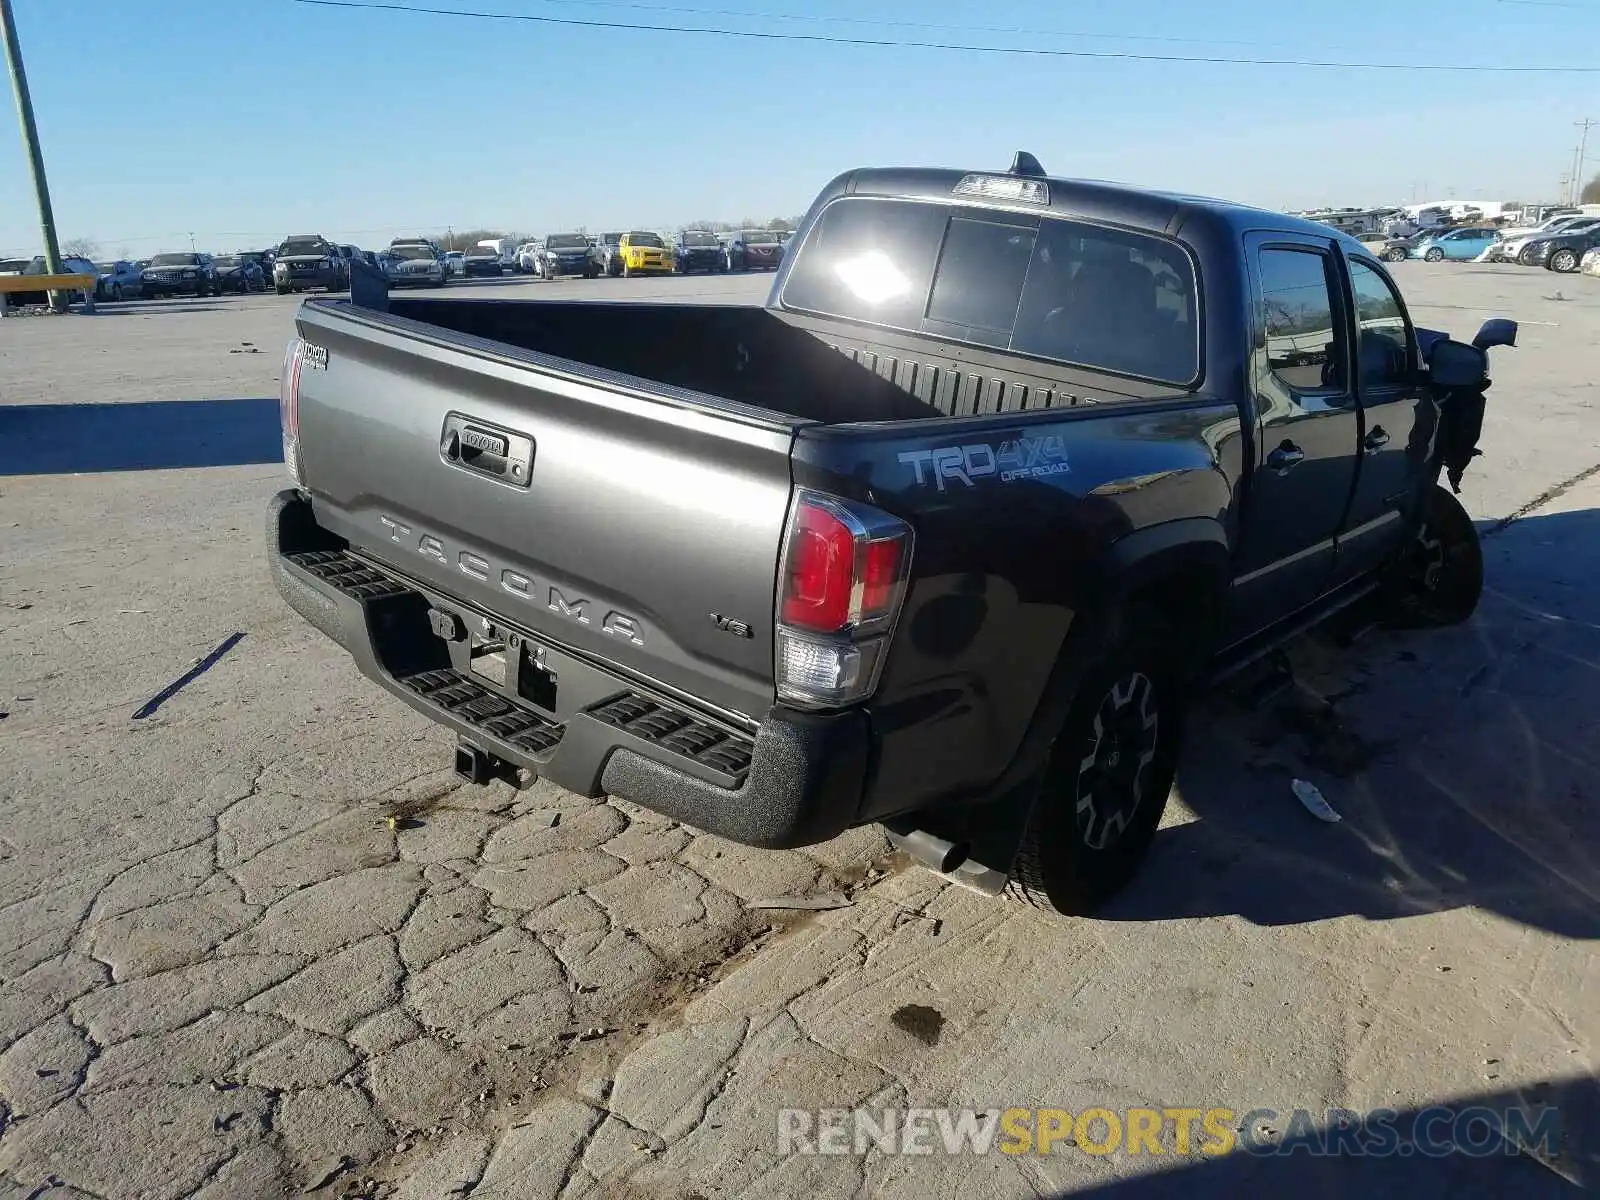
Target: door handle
[1286,457]
[1376,440]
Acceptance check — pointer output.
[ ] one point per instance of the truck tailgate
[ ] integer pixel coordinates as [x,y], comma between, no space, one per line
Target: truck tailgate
[570,503]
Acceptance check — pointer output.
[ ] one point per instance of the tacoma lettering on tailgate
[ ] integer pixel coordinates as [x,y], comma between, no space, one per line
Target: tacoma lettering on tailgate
[548,597]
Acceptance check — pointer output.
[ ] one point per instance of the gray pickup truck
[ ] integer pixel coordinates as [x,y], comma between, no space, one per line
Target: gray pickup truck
[940,538]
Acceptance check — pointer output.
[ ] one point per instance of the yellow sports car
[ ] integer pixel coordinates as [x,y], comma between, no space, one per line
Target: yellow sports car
[645,254]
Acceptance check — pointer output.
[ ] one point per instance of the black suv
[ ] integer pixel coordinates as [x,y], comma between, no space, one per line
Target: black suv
[306,261]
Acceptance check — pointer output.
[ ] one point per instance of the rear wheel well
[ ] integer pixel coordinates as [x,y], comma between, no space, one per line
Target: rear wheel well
[1187,604]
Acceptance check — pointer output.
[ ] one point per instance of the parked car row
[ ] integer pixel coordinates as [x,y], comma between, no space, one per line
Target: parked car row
[644,252]
[303,262]
[1557,244]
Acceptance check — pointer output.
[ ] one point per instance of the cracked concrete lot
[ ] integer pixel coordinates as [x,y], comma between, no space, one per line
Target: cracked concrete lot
[260,941]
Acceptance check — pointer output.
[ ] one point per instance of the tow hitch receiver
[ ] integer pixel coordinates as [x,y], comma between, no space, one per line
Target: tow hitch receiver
[476,765]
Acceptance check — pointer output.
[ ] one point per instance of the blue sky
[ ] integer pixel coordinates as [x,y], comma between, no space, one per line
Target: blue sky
[244,120]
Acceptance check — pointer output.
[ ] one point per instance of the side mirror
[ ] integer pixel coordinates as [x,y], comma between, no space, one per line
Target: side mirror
[1457,365]
[1496,331]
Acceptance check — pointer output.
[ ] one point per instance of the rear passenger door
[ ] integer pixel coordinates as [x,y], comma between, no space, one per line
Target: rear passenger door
[1307,430]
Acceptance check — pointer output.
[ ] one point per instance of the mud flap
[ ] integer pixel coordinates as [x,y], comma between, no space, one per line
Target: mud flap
[989,828]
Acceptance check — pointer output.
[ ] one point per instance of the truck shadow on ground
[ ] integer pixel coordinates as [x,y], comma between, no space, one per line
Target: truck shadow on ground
[1462,761]
[1413,1167]
[63,439]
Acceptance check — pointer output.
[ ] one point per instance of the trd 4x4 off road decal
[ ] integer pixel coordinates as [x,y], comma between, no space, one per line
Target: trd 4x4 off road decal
[1016,458]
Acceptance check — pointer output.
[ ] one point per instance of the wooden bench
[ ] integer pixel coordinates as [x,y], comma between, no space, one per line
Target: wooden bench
[16,284]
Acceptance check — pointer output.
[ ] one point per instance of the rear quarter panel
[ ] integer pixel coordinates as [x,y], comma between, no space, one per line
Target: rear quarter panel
[1014,519]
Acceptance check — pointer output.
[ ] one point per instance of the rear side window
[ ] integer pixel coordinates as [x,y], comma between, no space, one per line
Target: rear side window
[1304,349]
[1057,289]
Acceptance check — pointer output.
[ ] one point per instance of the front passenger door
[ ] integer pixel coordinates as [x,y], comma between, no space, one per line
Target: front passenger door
[1399,420]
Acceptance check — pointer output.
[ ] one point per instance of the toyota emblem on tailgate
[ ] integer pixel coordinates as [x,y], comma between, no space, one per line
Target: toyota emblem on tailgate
[478,439]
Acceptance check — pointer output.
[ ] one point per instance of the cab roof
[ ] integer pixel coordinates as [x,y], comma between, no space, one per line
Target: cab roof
[1123,204]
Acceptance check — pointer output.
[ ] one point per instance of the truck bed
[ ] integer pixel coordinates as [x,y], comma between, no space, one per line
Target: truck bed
[800,367]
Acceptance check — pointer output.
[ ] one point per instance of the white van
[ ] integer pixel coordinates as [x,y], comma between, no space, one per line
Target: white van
[506,248]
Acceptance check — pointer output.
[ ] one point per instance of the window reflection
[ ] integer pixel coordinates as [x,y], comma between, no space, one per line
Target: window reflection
[1297,308]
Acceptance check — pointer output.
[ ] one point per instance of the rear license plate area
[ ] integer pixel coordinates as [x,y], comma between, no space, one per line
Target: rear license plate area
[513,667]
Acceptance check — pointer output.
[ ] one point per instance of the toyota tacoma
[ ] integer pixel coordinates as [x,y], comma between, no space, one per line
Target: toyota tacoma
[940,538]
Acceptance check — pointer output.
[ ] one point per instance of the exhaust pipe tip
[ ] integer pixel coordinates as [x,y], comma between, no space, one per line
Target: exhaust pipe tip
[929,849]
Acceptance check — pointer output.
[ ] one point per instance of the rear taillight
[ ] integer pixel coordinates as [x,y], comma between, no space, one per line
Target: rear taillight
[842,582]
[289,406]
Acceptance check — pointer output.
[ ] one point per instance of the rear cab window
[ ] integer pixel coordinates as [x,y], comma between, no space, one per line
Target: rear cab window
[1049,287]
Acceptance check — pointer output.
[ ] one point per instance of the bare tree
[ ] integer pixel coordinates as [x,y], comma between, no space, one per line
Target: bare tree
[81,247]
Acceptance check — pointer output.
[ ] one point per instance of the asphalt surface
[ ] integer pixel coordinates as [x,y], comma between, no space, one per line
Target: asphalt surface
[254,938]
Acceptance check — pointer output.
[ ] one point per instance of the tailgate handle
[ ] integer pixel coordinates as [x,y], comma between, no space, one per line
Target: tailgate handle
[486,449]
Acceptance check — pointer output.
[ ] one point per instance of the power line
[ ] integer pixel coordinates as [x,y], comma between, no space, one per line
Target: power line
[886,23]
[901,44]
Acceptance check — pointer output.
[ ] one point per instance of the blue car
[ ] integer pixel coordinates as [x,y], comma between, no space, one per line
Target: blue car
[1459,244]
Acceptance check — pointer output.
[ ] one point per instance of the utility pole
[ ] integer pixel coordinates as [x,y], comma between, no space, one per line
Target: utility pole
[30,140]
[1577,163]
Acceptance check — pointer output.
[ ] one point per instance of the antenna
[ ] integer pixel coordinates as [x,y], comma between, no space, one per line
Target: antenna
[1026,164]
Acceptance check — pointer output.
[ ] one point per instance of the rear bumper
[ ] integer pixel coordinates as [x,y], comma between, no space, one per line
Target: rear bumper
[797,780]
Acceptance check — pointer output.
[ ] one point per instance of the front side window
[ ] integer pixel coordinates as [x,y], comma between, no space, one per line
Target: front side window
[1383,336]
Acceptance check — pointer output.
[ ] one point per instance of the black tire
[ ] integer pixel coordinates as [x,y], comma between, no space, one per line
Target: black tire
[1394,256]
[281,290]
[1439,579]
[627,271]
[1563,261]
[1120,742]
[116,291]
[1433,254]
[1526,259]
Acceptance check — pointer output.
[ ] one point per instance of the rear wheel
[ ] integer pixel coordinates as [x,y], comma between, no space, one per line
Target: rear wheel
[1106,785]
[1440,579]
